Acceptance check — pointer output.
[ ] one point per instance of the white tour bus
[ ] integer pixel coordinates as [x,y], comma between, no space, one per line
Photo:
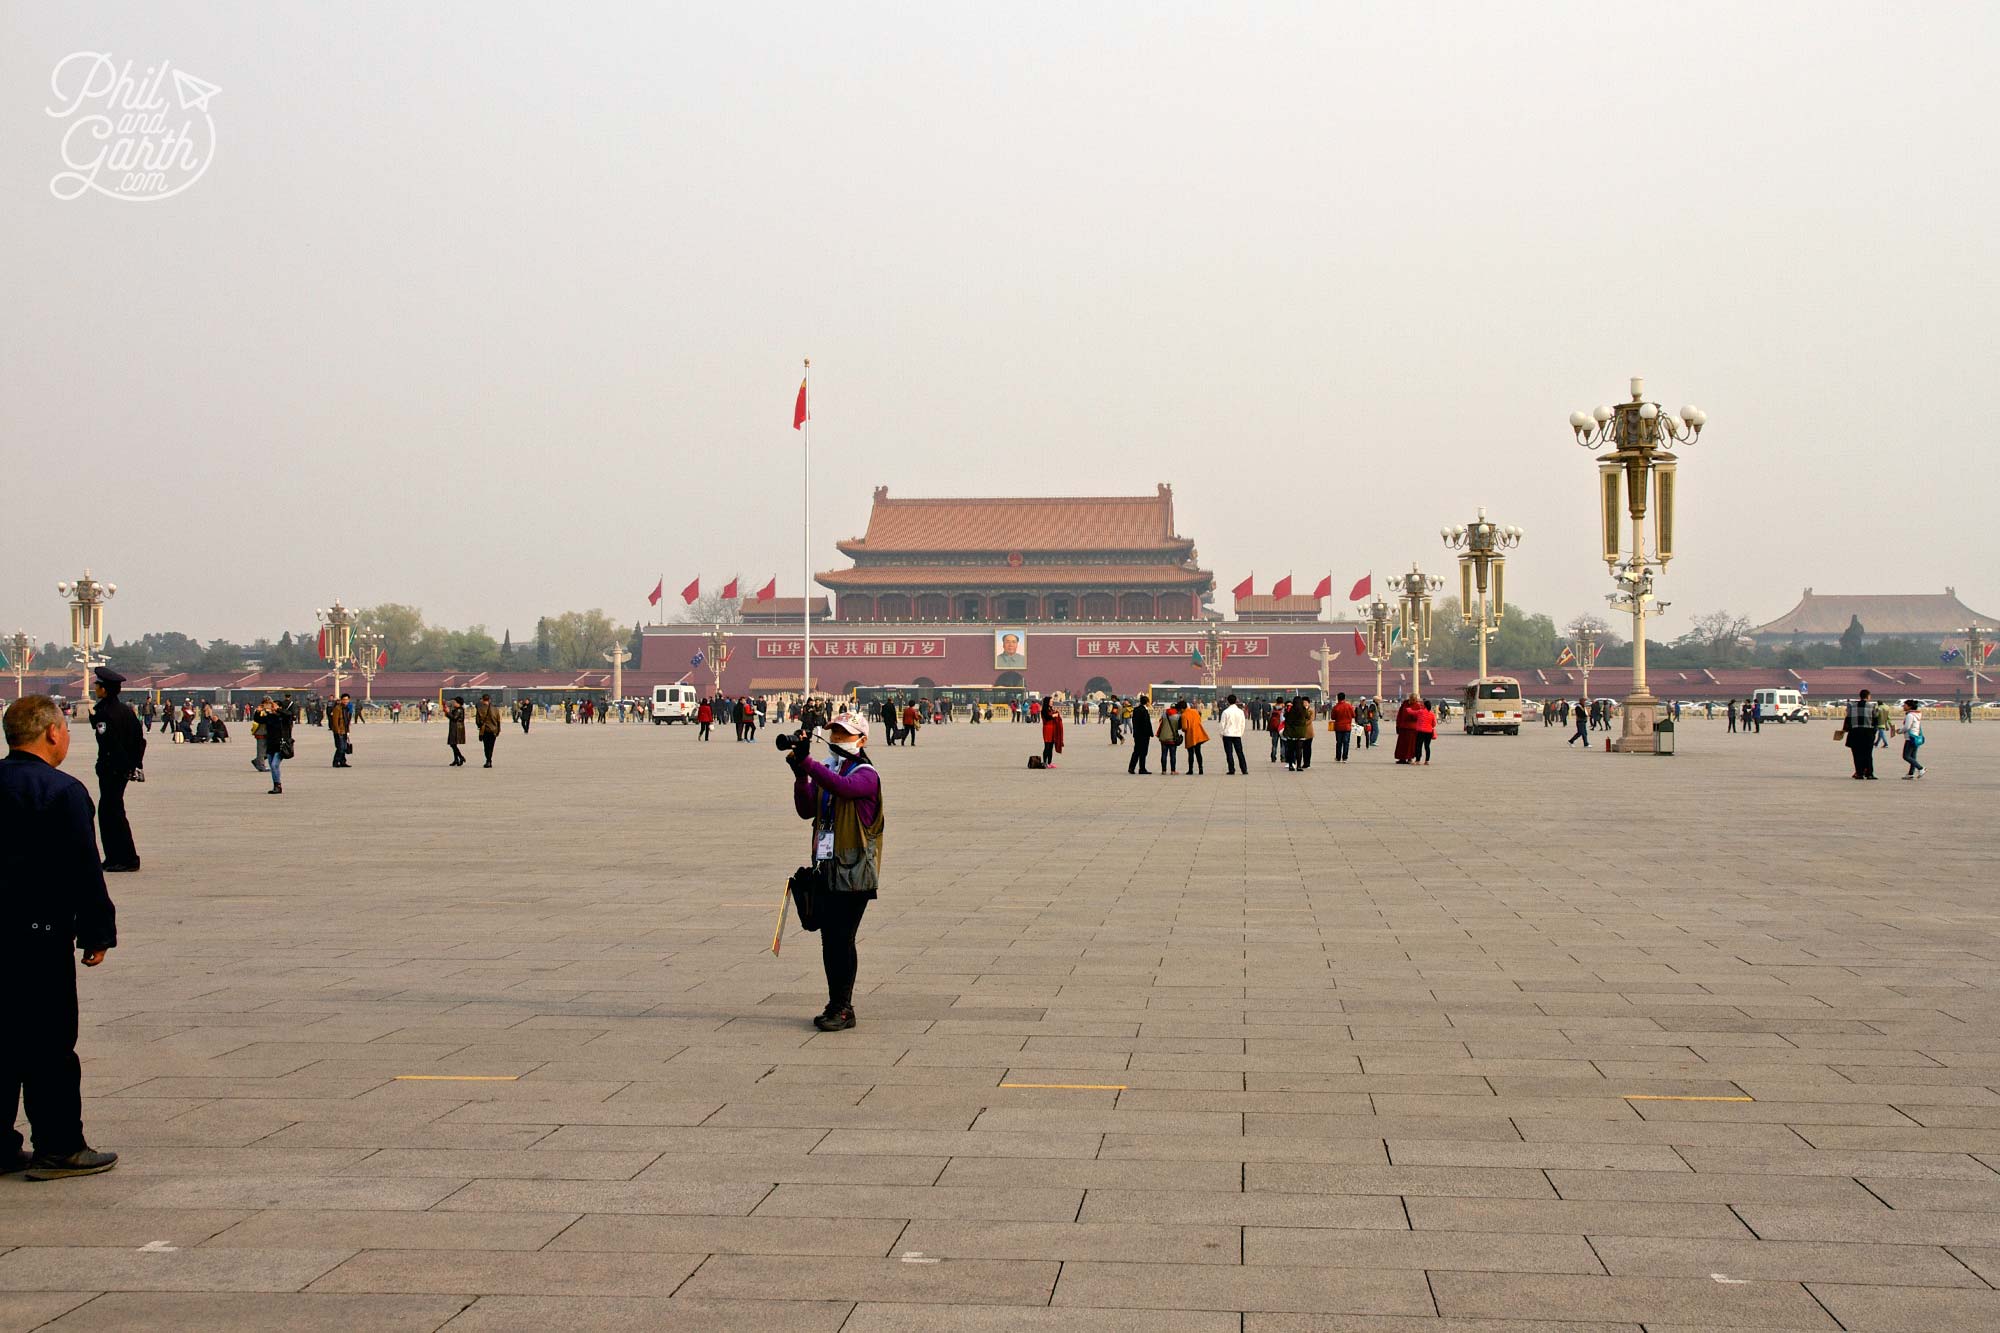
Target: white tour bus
[675,703]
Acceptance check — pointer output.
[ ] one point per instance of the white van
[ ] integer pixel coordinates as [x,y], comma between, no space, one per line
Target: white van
[674,703]
[1780,705]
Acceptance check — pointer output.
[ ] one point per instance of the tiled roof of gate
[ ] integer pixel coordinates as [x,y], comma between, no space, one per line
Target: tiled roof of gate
[1893,613]
[1108,577]
[1024,523]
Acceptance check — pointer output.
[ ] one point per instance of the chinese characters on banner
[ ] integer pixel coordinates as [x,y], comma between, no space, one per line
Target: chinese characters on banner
[852,647]
[1129,647]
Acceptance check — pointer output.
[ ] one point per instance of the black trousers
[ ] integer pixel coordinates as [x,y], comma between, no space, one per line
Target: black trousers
[1423,750]
[1048,753]
[1861,744]
[1340,740]
[38,1061]
[1232,754]
[1140,745]
[118,848]
[839,919]
[486,742]
[457,755]
[1194,763]
[1305,752]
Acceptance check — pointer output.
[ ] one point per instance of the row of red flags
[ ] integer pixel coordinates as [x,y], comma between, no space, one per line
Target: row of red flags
[692,593]
[1283,587]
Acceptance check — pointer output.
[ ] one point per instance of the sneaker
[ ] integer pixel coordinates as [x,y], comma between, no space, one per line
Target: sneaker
[82,1162]
[835,1020]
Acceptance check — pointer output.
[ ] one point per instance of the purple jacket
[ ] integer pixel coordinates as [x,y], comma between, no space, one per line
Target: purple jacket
[861,784]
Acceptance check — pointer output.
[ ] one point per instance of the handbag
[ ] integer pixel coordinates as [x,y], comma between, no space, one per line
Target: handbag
[806,884]
[285,748]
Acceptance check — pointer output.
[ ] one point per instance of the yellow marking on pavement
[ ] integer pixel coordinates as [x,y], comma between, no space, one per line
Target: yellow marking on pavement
[1662,1097]
[457,1078]
[1080,1087]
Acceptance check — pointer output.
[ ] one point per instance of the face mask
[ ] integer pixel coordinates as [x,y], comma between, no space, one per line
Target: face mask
[840,750]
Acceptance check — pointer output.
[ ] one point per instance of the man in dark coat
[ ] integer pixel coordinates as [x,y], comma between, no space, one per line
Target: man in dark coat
[121,752]
[340,720]
[1142,737]
[52,901]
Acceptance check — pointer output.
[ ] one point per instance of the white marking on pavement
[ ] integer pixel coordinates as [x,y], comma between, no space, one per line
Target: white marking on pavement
[158,1247]
[917,1257]
[1729,1281]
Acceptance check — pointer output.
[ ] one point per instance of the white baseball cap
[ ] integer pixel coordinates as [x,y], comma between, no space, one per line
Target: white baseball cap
[854,724]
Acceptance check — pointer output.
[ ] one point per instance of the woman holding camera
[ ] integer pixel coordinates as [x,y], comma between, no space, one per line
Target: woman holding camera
[844,802]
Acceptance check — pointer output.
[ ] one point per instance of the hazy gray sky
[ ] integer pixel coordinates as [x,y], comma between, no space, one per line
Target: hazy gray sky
[498,309]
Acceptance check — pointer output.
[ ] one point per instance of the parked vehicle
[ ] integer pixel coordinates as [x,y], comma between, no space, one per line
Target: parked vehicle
[675,703]
[1781,705]
[1493,703]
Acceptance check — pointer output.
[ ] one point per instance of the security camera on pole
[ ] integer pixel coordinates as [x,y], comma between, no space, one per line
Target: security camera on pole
[1640,434]
[1482,573]
[86,622]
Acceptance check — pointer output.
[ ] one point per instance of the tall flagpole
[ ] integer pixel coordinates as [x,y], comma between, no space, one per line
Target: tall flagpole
[805,553]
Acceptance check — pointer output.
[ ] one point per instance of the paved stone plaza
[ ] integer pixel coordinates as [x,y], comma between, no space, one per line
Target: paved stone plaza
[1530,1039]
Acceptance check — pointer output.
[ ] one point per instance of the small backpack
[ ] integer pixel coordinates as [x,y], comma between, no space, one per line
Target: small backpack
[1035,761]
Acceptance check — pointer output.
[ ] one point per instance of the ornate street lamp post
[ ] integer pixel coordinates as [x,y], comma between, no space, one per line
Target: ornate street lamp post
[718,657]
[367,660]
[1378,636]
[1975,656]
[1583,646]
[1482,572]
[1640,435]
[20,656]
[1215,645]
[337,626]
[1414,619]
[86,621]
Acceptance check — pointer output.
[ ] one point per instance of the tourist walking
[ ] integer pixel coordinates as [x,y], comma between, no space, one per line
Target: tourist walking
[1858,727]
[1426,721]
[1913,738]
[57,903]
[1274,722]
[121,757]
[1194,735]
[1168,733]
[278,719]
[704,717]
[1142,738]
[1052,736]
[525,712]
[1232,724]
[1343,726]
[844,802]
[339,720]
[1582,732]
[487,718]
[454,729]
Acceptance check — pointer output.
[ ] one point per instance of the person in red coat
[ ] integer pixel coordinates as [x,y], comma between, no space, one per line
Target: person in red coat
[1406,731]
[1052,736]
[1425,725]
[705,715]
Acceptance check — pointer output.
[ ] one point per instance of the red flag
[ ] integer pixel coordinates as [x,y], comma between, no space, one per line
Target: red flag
[659,590]
[1360,644]
[1361,588]
[800,413]
[769,590]
[323,643]
[1242,589]
[1283,587]
[691,592]
[1325,588]
[381,658]
[729,590]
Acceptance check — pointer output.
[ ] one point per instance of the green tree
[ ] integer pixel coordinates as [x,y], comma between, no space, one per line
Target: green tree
[543,651]
[506,646]
[403,635]
[221,656]
[1851,640]
[579,639]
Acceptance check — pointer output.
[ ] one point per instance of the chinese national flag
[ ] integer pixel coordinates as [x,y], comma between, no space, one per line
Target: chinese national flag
[800,413]
[769,590]
[729,591]
[1283,587]
[381,658]
[1243,589]
[692,592]
[1360,644]
[659,590]
[1361,588]
[1325,588]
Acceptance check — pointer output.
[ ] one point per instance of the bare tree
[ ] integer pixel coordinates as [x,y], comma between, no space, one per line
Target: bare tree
[711,610]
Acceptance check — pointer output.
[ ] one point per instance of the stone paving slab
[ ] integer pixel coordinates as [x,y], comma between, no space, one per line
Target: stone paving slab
[1361,1050]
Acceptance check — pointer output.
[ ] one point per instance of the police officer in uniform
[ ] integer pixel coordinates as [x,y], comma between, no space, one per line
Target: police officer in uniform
[52,901]
[121,754]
